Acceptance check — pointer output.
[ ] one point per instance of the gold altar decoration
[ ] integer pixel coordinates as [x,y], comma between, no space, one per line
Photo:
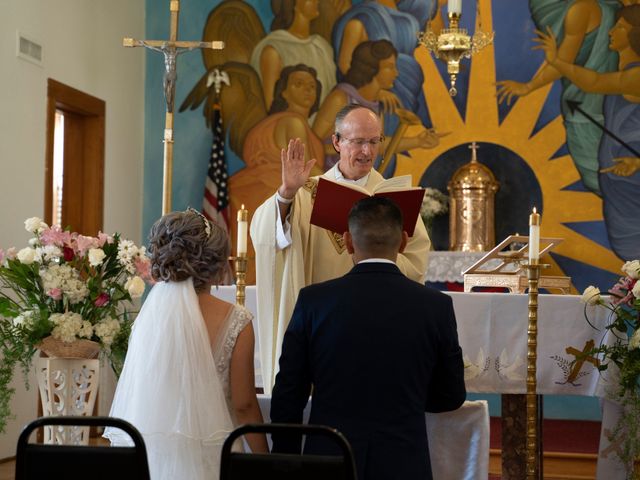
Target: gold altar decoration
[170,49]
[533,440]
[504,266]
[472,191]
[240,260]
[454,43]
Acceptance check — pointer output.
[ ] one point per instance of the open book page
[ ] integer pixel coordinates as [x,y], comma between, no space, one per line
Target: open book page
[334,200]
[403,182]
[393,184]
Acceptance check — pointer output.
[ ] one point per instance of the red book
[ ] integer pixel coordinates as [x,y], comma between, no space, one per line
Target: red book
[334,201]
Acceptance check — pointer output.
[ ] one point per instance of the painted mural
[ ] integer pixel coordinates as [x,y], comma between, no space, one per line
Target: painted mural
[556,119]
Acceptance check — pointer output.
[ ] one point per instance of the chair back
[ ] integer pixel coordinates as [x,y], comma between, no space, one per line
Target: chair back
[286,466]
[71,462]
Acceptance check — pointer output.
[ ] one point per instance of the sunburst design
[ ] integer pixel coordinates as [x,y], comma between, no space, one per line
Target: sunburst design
[482,124]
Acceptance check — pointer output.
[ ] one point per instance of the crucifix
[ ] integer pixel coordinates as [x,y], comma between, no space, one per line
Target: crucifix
[474,151]
[170,49]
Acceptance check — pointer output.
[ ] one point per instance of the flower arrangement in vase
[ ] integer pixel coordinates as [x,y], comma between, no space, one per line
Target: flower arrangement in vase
[623,354]
[434,203]
[66,295]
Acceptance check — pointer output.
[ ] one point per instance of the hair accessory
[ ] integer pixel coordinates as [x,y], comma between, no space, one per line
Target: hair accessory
[207,225]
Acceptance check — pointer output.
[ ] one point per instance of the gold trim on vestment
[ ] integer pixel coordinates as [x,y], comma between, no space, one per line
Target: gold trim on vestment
[336,239]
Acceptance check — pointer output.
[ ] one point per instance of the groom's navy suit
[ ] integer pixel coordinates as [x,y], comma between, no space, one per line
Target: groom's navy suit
[379,350]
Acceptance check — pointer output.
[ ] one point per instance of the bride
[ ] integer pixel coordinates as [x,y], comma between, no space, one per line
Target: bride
[188,376]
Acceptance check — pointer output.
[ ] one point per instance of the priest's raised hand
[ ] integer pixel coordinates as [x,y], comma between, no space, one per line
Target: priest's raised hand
[295,168]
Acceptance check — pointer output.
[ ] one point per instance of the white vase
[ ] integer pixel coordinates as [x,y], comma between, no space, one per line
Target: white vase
[68,386]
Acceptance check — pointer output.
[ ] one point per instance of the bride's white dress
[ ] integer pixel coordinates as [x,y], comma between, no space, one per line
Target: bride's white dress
[174,387]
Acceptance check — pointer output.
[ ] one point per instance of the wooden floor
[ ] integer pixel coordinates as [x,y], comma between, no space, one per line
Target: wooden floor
[7,470]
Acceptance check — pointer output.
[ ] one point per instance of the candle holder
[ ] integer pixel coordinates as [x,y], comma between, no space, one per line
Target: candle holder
[534,430]
[240,264]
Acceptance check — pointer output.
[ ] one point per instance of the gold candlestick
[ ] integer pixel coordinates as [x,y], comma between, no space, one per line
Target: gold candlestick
[241,256]
[533,464]
[240,263]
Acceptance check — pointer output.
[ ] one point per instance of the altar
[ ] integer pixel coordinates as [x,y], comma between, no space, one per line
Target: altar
[492,328]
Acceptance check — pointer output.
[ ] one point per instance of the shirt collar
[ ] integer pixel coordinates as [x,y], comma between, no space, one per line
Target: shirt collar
[376,260]
[340,178]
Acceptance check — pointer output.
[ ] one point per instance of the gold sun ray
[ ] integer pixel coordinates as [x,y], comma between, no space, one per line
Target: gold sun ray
[524,114]
[444,114]
[548,140]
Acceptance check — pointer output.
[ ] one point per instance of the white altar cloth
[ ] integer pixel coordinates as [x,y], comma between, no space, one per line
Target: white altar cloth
[445,266]
[492,328]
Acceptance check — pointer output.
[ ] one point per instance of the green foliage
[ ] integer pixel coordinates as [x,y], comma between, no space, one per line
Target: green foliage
[622,351]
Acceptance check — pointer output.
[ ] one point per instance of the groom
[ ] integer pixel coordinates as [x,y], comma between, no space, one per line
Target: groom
[378,349]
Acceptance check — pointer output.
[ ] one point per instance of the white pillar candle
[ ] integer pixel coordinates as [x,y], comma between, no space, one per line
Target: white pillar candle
[454,6]
[534,236]
[241,241]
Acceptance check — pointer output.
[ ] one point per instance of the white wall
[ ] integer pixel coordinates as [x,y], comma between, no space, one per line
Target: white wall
[81,48]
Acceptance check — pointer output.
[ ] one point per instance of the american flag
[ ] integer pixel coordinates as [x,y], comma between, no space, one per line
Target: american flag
[216,194]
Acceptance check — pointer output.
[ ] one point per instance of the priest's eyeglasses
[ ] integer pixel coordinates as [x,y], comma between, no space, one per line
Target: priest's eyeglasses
[360,142]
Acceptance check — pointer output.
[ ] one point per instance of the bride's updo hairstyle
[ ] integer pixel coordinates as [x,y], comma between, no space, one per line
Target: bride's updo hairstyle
[186,244]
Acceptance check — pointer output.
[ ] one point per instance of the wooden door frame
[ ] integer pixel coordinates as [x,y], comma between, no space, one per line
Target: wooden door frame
[88,113]
[84,155]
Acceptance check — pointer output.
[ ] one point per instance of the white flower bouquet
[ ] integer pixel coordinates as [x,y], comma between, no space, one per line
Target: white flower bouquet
[624,304]
[434,203]
[65,287]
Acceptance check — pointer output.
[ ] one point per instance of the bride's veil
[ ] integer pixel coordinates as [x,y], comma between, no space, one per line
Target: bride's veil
[169,388]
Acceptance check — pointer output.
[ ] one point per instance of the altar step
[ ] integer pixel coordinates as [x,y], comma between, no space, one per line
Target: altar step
[570,449]
[557,465]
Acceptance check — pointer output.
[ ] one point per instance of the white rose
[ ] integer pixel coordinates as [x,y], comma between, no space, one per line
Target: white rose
[636,289]
[27,255]
[96,256]
[135,286]
[591,295]
[632,269]
[34,225]
[635,340]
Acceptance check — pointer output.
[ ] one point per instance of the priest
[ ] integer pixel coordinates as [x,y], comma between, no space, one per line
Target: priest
[291,253]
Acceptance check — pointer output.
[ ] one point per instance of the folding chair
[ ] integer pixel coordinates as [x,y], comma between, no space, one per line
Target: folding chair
[79,462]
[285,466]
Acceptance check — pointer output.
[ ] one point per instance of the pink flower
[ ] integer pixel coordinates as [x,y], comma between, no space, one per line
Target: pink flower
[102,300]
[143,267]
[2,255]
[55,236]
[85,243]
[11,253]
[104,238]
[55,293]
[621,291]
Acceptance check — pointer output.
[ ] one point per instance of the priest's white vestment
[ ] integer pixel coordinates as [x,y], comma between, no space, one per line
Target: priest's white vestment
[315,255]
